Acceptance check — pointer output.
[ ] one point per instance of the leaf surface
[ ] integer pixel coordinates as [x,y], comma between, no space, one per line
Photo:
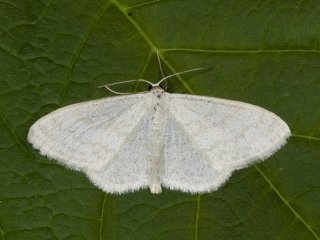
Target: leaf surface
[54,53]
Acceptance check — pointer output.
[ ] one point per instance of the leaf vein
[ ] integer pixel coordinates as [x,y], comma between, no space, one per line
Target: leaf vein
[79,50]
[153,46]
[241,51]
[197,216]
[311,138]
[102,215]
[143,4]
[297,215]
[15,137]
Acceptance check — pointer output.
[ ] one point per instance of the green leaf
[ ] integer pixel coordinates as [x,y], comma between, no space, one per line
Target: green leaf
[54,53]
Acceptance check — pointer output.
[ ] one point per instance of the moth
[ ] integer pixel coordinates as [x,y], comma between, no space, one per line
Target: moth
[152,139]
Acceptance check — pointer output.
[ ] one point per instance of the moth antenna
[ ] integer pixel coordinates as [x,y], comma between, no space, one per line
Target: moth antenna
[160,65]
[161,70]
[128,81]
[179,73]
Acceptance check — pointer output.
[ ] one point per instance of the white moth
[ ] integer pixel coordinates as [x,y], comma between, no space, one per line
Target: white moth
[153,139]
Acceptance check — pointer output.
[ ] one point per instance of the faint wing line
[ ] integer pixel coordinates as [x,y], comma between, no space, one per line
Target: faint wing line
[259,156]
[107,164]
[103,121]
[210,163]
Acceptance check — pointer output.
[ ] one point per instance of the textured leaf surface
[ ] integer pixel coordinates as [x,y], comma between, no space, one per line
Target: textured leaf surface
[54,53]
